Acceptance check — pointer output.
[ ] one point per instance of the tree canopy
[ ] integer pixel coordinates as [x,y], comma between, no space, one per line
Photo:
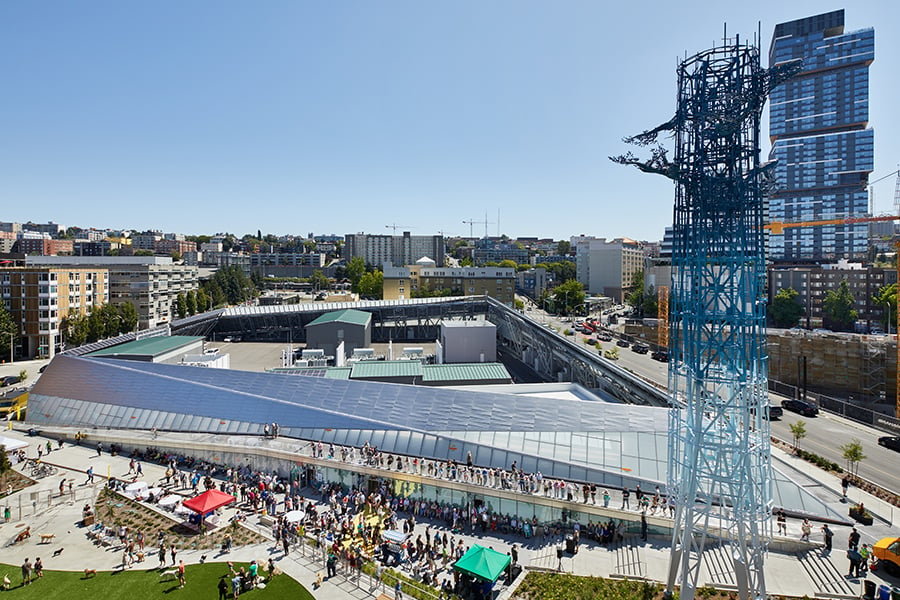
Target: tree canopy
[887,299]
[635,298]
[785,310]
[229,285]
[839,313]
[568,296]
[563,271]
[371,285]
[8,332]
[106,321]
[356,268]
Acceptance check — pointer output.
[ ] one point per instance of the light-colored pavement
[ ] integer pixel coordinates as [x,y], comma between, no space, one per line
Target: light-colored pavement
[805,571]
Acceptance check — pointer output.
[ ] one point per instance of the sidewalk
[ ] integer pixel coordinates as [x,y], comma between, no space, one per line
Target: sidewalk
[43,510]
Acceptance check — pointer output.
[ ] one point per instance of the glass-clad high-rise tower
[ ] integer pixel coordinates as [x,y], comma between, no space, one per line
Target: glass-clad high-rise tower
[818,124]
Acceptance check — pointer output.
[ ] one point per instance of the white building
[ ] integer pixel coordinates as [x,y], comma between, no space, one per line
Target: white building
[607,267]
[394,249]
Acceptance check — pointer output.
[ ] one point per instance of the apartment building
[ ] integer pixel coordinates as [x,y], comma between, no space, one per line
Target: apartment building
[40,297]
[423,278]
[607,267]
[151,283]
[44,246]
[394,249]
[812,283]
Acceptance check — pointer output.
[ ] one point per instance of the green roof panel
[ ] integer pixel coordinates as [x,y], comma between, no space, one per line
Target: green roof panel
[386,368]
[465,372]
[151,346]
[354,317]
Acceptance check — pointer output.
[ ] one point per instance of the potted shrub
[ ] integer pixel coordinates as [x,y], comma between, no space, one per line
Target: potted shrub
[860,514]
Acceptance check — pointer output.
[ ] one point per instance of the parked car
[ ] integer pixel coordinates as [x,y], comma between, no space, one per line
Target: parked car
[604,337]
[891,442]
[807,409]
[591,341]
[622,343]
[640,348]
[660,355]
[9,380]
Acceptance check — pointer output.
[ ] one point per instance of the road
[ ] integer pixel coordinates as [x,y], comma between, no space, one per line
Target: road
[824,433]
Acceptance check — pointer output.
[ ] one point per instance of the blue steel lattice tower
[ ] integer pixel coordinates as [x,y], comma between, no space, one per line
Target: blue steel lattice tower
[719,469]
[818,123]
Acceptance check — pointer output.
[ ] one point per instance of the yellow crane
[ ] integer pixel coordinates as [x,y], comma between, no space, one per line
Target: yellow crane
[778,227]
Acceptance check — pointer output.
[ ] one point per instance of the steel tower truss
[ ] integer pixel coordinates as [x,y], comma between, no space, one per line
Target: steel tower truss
[719,454]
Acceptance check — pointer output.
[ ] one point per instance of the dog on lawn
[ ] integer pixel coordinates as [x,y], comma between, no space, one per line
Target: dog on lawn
[6,582]
[46,538]
[169,574]
[57,552]
[90,572]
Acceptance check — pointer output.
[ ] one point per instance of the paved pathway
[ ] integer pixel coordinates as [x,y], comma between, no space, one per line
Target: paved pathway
[45,511]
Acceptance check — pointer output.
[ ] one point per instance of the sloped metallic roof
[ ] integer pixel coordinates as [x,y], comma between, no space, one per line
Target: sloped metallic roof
[298,401]
[582,440]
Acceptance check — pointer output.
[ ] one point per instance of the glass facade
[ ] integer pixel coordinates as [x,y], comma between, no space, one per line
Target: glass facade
[818,123]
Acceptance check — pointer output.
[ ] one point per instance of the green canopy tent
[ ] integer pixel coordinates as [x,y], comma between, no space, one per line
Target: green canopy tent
[483,563]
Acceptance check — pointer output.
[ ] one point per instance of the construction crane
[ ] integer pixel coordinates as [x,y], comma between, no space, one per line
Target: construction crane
[395,227]
[778,227]
[472,222]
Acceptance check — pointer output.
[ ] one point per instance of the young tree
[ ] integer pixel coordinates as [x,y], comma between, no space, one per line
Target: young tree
[887,299]
[109,314]
[180,305]
[202,300]
[8,332]
[75,330]
[319,280]
[785,309]
[95,325]
[567,296]
[190,300]
[798,430]
[635,298]
[372,285]
[838,307]
[128,317]
[356,268]
[853,453]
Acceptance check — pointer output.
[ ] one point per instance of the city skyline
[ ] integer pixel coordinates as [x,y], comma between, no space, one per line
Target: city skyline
[291,118]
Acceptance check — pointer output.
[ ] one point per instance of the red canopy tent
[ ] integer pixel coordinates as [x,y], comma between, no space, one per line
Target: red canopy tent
[208,501]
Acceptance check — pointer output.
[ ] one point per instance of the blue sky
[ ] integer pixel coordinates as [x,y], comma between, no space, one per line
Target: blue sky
[340,117]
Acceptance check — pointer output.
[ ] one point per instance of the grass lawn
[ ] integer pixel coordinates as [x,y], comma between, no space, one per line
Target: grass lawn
[201,582]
